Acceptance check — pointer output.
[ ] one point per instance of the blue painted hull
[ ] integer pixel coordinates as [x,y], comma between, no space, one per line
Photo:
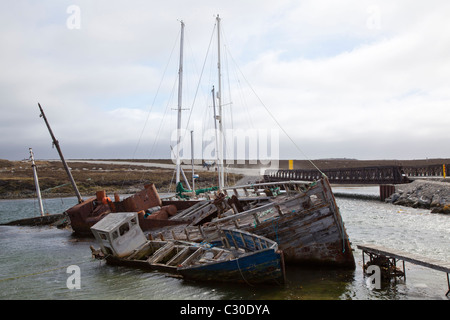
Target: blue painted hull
[261,267]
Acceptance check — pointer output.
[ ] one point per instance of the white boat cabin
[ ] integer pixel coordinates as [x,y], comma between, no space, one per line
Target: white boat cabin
[118,234]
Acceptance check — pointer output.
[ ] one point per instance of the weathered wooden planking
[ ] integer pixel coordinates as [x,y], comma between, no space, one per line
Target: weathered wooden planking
[405,256]
[161,253]
[303,219]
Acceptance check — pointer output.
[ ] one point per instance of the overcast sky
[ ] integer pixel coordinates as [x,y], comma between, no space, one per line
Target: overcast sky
[355,79]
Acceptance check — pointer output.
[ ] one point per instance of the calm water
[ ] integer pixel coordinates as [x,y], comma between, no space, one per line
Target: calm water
[34,261]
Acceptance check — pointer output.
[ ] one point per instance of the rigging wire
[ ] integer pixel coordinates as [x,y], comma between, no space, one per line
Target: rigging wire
[157,92]
[199,82]
[161,123]
[273,117]
[151,109]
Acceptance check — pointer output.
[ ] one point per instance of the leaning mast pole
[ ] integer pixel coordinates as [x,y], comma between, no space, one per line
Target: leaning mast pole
[66,167]
[36,183]
[180,89]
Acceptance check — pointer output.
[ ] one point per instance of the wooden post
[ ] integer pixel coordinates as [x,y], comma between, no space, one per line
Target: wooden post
[386,190]
[363,260]
[187,234]
[448,282]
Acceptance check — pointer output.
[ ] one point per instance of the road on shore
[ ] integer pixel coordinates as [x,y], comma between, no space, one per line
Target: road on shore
[249,173]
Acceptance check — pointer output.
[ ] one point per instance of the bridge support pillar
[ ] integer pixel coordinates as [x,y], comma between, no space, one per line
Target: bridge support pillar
[386,190]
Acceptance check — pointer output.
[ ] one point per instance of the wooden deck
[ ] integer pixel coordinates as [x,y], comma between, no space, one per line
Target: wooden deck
[409,257]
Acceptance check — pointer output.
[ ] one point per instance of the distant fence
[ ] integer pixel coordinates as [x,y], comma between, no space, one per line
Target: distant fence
[361,175]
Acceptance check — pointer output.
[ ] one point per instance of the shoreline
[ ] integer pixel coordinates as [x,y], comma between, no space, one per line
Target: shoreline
[128,176]
[424,194]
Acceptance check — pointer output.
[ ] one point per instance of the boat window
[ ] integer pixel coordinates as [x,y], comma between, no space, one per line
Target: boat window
[115,234]
[124,228]
[103,236]
[133,222]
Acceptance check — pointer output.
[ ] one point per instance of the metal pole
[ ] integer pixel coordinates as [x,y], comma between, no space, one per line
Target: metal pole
[217,143]
[219,100]
[66,167]
[180,89]
[192,157]
[182,172]
[36,183]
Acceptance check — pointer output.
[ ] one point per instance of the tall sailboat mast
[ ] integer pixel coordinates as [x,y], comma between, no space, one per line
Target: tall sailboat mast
[217,138]
[180,90]
[219,102]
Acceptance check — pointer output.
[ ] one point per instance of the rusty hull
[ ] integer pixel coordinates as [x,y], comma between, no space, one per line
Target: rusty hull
[84,215]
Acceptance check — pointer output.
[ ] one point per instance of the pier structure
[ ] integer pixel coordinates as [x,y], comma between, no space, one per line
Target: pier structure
[393,255]
[384,176]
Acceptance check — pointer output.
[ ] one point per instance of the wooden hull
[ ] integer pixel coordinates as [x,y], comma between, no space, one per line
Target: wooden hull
[311,230]
[314,238]
[59,219]
[237,257]
[140,264]
[304,221]
[262,267]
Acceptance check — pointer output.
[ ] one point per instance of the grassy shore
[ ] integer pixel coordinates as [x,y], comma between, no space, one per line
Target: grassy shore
[16,178]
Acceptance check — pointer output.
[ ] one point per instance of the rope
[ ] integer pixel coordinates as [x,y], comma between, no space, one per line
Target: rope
[240,271]
[199,82]
[151,108]
[61,185]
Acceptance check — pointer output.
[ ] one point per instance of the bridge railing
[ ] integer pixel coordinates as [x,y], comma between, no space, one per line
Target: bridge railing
[426,171]
[361,175]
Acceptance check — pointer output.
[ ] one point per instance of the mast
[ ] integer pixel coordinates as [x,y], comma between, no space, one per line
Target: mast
[36,183]
[192,159]
[66,167]
[219,100]
[217,140]
[180,89]
[182,171]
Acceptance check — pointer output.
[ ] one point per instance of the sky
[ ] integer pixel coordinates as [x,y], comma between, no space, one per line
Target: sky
[311,79]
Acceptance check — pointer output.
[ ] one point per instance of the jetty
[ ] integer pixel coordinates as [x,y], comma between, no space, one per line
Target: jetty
[376,251]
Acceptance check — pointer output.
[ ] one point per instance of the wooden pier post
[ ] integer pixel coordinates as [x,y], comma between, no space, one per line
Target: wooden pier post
[386,190]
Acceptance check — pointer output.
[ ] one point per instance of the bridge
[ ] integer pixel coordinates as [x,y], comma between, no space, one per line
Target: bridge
[385,176]
[361,175]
